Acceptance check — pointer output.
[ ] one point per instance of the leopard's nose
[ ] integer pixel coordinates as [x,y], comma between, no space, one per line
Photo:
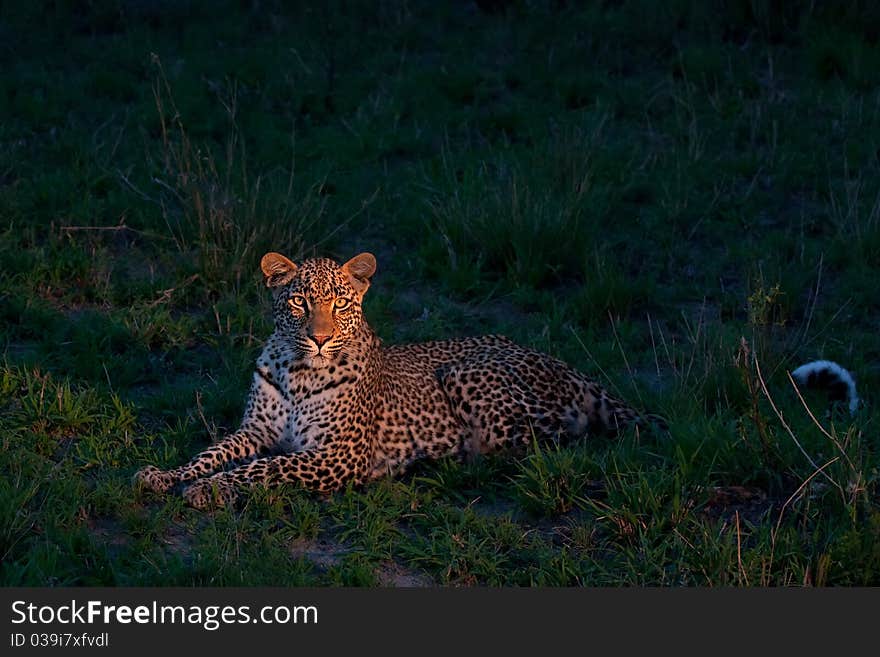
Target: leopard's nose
[320,339]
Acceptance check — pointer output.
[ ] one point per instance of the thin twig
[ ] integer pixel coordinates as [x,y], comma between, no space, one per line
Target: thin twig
[790,432]
[739,558]
[595,362]
[165,295]
[365,203]
[815,299]
[71,229]
[653,344]
[301,61]
[670,358]
[775,532]
[696,338]
[112,229]
[830,323]
[169,188]
[632,377]
[817,423]
[134,188]
[212,431]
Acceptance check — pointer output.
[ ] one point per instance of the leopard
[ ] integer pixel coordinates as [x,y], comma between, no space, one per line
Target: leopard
[331,405]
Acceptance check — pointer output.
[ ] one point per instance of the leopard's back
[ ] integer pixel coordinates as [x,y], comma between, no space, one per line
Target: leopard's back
[474,395]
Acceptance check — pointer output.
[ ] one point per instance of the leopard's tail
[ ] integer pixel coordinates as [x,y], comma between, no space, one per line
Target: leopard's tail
[652,420]
[612,415]
[828,375]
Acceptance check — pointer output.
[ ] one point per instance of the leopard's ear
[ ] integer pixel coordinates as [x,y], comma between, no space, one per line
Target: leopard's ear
[359,270]
[277,270]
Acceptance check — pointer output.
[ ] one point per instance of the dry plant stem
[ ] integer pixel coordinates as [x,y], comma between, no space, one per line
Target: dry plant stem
[653,344]
[67,230]
[791,497]
[632,377]
[70,229]
[696,335]
[739,560]
[134,188]
[815,298]
[165,295]
[818,424]
[791,433]
[831,322]
[744,357]
[595,362]
[212,430]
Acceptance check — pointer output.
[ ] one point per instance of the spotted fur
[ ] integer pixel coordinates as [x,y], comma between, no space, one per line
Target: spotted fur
[329,404]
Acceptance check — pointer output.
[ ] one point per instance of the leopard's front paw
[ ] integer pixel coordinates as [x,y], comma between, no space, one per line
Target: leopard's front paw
[209,493]
[154,479]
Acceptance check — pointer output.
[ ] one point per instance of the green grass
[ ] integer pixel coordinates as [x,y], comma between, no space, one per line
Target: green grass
[681,198]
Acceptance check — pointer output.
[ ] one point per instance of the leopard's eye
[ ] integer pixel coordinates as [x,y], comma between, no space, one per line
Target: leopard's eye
[297,301]
[341,303]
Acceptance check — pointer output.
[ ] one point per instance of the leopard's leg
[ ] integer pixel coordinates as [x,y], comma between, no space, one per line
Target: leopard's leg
[266,411]
[239,446]
[323,470]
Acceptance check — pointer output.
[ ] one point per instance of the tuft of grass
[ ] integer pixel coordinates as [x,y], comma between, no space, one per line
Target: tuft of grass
[544,203]
[554,480]
[215,207]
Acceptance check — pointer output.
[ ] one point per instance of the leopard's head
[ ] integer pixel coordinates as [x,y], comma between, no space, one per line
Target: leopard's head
[317,304]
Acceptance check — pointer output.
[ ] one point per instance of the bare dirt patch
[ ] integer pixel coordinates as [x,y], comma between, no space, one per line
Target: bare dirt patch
[394,575]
